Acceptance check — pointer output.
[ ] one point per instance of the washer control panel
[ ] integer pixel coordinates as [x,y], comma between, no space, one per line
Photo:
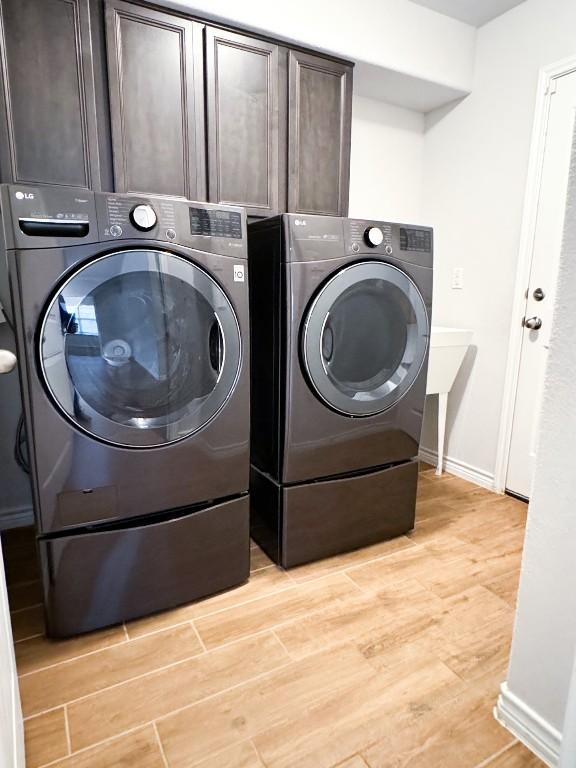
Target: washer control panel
[207,227]
[50,217]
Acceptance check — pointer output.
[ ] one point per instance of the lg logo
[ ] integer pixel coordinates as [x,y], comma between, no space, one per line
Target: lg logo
[24,195]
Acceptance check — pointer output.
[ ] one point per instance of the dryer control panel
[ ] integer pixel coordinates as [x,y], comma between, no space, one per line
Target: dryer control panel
[364,237]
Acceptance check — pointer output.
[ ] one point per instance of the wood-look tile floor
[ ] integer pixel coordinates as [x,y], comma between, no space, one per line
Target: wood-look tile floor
[387,657]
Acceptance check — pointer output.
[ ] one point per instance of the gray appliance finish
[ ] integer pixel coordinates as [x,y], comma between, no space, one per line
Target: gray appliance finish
[340,323]
[131,323]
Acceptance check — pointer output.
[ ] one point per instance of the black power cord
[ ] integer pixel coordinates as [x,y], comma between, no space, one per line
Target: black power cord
[21,455]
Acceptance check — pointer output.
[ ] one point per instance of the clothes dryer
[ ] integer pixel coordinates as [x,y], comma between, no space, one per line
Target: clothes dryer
[340,317]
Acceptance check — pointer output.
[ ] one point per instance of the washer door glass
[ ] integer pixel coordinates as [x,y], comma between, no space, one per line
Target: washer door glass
[140,348]
[364,338]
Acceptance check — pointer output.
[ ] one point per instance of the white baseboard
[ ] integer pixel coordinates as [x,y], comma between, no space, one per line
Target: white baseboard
[16,517]
[528,726]
[460,469]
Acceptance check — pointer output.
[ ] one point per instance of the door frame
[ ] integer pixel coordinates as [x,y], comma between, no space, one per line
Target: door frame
[546,80]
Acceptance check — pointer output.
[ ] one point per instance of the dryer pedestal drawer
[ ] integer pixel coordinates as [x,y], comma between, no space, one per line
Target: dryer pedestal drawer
[99,578]
[300,523]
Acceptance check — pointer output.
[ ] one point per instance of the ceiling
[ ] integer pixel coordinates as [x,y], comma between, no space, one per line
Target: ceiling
[475,12]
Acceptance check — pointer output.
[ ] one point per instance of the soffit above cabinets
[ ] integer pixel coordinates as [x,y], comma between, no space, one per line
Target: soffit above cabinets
[405,54]
[403,89]
[474,12]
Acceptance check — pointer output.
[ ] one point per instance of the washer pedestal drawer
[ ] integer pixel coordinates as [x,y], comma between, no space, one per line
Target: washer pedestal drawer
[100,577]
[299,523]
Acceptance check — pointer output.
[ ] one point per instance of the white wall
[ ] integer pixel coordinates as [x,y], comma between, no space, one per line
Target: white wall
[475,160]
[386,162]
[545,631]
[394,34]
[11,725]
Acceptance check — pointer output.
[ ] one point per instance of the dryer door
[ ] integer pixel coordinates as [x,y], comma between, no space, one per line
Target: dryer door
[140,348]
[364,338]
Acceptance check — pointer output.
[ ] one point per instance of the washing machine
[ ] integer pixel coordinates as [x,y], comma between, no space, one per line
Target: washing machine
[131,322]
[340,327]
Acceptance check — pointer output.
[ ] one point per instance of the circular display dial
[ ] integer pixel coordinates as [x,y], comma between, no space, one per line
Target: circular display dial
[143,217]
[374,236]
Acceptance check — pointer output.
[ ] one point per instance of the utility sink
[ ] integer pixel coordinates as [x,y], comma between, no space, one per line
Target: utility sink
[447,349]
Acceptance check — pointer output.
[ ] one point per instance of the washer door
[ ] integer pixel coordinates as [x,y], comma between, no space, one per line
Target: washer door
[365,338]
[140,348]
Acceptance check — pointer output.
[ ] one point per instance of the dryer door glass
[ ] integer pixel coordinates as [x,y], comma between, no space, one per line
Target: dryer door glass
[365,338]
[140,348]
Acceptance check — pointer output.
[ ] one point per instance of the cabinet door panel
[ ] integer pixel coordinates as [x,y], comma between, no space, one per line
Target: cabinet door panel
[320,107]
[156,101]
[49,125]
[243,114]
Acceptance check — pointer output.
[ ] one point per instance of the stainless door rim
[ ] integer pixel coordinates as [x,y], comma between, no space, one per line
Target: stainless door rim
[123,434]
[388,394]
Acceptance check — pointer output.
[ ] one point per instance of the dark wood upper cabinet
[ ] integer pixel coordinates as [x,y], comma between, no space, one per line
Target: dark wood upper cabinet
[155,71]
[320,111]
[246,111]
[116,95]
[48,115]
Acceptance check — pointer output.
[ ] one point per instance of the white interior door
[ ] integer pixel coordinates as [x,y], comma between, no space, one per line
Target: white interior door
[11,725]
[541,288]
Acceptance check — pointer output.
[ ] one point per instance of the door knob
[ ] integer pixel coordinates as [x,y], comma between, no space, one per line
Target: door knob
[7,361]
[534,323]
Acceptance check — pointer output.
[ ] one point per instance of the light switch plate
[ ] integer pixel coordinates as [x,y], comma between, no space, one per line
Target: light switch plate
[458,278]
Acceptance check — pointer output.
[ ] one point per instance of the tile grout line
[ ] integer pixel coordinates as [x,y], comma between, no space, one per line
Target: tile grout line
[147,723]
[29,637]
[286,622]
[116,685]
[252,743]
[364,758]
[262,568]
[283,646]
[98,744]
[67,730]
[363,590]
[268,630]
[25,608]
[288,586]
[486,763]
[63,662]
[293,583]
[72,658]
[160,745]
[158,670]
[202,643]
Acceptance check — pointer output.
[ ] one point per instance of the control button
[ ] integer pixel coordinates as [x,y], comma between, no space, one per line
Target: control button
[143,217]
[388,250]
[374,236]
[355,247]
[170,234]
[115,230]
